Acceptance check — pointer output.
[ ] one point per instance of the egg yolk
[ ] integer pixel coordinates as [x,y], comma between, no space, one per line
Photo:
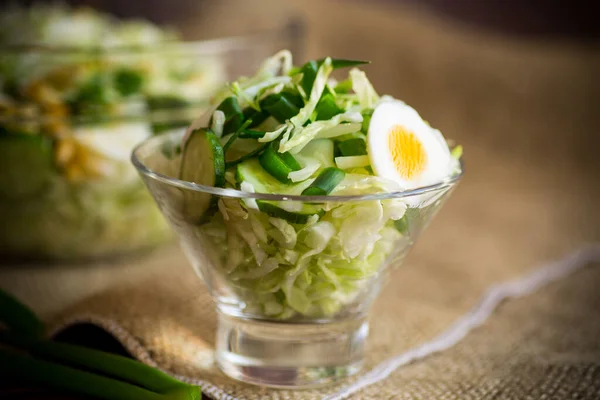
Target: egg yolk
[407,152]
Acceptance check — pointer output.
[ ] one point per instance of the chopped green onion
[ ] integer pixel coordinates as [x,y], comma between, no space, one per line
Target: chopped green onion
[280,107]
[300,217]
[353,147]
[402,224]
[309,70]
[327,108]
[251,134]
[309,73]
[290,161]
[277,164]
[327,180]
[366,120]
[257,117]
[233,115]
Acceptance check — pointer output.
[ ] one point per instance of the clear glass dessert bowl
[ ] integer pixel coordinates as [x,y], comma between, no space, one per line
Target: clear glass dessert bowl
[292,299]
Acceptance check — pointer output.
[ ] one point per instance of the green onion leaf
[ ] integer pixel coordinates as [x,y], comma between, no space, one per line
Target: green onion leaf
[337,63]
[19,319]
[30,370]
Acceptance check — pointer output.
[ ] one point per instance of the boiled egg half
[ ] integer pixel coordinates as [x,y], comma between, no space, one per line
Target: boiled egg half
[402,147]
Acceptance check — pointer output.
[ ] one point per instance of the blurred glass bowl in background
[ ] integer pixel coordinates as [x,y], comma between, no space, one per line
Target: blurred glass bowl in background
[73,105]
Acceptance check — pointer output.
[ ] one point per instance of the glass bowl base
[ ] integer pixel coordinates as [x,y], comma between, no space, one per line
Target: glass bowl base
[290,355]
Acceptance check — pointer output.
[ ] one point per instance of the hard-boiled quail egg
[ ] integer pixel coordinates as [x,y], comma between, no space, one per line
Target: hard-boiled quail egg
[402,147]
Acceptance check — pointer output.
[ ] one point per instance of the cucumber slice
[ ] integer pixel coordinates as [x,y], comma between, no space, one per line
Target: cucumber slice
[252,172]
[25,165]
[320,150]
[300,216]
[203,163]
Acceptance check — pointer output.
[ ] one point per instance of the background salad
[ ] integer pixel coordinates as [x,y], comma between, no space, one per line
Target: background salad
[78,89]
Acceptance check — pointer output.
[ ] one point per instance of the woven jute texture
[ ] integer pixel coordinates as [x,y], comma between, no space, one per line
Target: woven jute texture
[527,114]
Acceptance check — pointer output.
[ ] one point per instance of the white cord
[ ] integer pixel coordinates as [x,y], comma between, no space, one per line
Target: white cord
[474,318]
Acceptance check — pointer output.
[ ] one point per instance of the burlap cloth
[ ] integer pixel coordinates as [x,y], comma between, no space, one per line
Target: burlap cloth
[527,113]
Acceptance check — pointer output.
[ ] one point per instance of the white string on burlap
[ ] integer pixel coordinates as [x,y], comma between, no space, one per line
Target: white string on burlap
[455,333]
[475,317]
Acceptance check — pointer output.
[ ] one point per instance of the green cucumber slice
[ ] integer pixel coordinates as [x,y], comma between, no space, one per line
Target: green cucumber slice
[320,150]
[202,163]
[277,210]
[25,165]
[327,180]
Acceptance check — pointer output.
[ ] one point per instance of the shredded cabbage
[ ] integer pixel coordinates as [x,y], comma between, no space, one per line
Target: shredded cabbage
[311,166]
[321,129]
[218,120]
[296,122]
[367,96]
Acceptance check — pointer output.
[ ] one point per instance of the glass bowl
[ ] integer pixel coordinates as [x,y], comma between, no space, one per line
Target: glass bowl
[67,188]
[292,303]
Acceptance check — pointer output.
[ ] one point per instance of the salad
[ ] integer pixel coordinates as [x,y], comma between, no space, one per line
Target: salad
[296,131]
[78,89]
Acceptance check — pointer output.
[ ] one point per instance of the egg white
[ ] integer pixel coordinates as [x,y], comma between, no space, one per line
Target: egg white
[437,161]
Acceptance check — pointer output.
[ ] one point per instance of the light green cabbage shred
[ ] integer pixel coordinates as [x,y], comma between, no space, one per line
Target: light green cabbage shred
[321,130]
[367,96]
[283,270]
